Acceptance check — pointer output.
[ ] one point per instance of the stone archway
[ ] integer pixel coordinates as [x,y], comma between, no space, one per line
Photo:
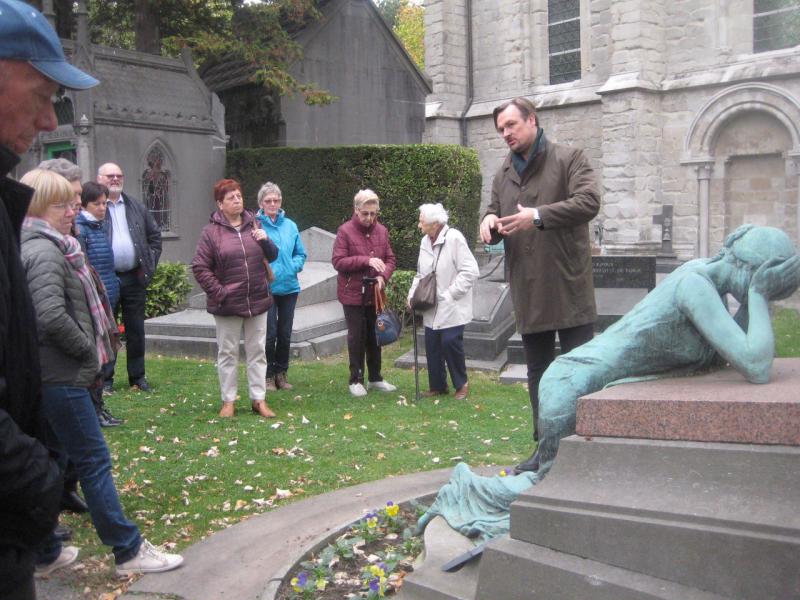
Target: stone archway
[745,143]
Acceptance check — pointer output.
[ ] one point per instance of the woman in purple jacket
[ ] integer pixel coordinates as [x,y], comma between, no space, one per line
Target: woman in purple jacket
[230,265]
[363,258]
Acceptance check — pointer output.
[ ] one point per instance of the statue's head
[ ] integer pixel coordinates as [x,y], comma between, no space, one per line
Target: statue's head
[749,247]
[754,246]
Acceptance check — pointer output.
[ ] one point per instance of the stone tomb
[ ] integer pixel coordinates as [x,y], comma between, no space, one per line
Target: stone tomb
[670,509]
[620,282]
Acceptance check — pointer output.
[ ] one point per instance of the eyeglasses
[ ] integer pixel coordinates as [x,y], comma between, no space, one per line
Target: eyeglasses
[114,176]
[368,213]
[271,201]
[64,206]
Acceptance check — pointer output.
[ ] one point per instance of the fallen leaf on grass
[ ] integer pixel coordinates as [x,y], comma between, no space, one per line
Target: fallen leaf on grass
[348,416]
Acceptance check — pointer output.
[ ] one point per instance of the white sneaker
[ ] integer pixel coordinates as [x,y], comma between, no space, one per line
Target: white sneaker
[68,556]
[149,559]
[358,390]
[382,386]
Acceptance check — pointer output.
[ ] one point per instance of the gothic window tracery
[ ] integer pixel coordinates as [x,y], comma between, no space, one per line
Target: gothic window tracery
[156,187]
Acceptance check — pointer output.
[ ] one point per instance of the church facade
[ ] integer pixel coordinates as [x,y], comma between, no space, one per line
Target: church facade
[692,105]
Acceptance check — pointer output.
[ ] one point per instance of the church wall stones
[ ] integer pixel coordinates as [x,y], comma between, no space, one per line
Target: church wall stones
[651,109]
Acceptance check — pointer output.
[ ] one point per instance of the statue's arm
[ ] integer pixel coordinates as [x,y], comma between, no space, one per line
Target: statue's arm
[750,352]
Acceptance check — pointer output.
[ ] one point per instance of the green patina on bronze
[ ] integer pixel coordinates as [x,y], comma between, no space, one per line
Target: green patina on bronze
[680,328]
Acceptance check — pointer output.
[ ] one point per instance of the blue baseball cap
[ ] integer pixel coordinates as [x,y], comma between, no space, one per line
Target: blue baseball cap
[26,35]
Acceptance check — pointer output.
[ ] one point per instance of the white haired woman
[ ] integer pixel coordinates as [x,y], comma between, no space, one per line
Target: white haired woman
[445,250]
[363,258]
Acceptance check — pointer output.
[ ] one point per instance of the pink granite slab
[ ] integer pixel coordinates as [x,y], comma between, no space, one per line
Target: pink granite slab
[717,407]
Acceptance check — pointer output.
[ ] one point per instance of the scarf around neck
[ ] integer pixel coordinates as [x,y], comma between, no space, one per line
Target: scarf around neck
[93,290]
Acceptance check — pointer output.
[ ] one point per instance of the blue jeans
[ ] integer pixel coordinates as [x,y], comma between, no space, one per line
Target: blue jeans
[279,333]
[73,421]
[445,347]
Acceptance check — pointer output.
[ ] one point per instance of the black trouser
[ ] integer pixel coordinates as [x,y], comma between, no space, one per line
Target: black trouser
[16,574]
[132,297]
[279,333]
[361,340]
[540,349]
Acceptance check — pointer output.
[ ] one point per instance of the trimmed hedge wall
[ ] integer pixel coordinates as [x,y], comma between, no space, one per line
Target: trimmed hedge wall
[318,186]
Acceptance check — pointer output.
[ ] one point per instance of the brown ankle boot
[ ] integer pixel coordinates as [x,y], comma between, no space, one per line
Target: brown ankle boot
[227,410]
[260,407]
[270,384]
[280,381]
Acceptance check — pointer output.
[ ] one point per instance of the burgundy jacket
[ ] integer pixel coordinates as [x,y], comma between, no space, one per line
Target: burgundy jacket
[354,246]
[229,266]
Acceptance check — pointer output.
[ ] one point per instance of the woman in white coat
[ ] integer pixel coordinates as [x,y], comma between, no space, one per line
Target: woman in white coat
[446,250]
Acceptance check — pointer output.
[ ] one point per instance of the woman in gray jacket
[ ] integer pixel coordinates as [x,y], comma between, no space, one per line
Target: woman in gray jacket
[74,340]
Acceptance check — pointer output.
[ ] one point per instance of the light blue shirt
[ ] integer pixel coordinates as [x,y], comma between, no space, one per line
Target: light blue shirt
[121,241]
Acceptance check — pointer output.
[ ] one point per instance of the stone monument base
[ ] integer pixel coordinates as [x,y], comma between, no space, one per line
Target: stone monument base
[680,517]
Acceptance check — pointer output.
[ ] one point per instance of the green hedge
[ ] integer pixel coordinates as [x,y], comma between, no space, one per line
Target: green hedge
[318,185]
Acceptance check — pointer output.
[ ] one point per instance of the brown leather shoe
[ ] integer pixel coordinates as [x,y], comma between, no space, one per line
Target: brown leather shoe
[227,410]
[271,387]
[260,408]
[280,381]
[432,393]
[461,393]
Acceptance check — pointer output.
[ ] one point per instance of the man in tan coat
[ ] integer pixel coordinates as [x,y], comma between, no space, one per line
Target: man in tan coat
[543,197]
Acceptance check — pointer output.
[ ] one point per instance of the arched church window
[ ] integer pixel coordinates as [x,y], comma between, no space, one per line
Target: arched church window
[776,24]
[157,188]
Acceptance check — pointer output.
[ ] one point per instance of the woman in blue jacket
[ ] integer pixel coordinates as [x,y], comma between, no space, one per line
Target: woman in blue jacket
[285,288]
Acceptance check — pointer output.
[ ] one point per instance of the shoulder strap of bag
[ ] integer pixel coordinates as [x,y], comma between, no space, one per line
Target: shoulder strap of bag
[380,297]
[444,238]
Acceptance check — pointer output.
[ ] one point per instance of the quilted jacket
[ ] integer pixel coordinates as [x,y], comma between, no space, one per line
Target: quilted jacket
[97,249]
[355,244]
[229,266]
[67,348]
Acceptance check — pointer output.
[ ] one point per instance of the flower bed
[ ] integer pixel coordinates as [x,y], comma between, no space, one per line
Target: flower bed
[369,560]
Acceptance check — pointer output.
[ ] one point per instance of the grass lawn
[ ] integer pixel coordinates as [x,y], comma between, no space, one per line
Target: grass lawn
[786,326]
[184,473]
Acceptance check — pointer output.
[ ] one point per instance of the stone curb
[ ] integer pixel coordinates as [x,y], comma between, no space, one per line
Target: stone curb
[248,561]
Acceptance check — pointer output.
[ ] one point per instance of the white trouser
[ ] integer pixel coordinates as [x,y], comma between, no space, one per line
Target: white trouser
[229,330]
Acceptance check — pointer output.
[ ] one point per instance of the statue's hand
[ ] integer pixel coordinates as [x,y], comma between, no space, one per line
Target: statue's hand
[777,278]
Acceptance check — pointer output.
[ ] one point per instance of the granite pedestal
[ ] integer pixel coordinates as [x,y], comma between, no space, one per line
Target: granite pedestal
[672,508]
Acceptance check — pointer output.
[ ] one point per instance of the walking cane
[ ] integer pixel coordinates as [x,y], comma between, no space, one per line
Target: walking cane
[416,354]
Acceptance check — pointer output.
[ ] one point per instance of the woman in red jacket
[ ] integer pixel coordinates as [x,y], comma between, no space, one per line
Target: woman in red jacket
[363,258]
[230,265]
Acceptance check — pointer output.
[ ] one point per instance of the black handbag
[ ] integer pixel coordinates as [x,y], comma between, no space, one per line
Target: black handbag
[425,293]
[387,324]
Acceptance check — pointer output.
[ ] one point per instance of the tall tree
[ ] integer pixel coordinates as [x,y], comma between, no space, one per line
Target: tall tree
[388,10]
[410,28]
[259,33]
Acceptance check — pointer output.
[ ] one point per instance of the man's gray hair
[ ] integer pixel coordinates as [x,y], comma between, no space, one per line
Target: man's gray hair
[433,213]
[269,189]
[365,196]
[67,169]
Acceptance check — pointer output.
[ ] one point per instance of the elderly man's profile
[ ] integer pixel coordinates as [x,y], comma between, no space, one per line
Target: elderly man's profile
[682,327]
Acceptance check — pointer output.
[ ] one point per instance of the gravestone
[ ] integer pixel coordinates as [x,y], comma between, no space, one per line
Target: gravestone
[620,282]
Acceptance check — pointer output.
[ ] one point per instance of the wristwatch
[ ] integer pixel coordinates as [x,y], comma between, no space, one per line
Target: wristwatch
[537,220]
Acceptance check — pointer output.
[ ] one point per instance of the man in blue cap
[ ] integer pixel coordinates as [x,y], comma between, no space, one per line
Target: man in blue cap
[32,69]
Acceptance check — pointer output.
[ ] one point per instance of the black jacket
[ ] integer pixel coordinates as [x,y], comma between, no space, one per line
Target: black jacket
[145,234]
[30,482]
